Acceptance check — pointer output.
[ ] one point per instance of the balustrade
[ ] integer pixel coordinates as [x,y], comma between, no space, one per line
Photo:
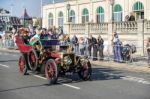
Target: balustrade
[147,26]
[77,28]
[125,27]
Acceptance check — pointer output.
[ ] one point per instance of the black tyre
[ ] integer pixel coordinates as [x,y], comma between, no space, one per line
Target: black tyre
[51,71]
[32,60]
[22,65]
[42,68]
[85,71]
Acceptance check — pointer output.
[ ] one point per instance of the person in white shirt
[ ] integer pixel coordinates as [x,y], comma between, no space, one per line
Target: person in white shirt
[117,48]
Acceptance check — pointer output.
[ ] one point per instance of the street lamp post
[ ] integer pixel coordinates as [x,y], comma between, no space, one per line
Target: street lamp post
[41,8]
[112,5]
[68,8]
[11,9]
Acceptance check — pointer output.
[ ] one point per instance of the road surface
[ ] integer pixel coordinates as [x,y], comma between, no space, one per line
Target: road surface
[106,84]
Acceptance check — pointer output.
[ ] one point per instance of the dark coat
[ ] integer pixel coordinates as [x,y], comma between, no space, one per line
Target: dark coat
[100,43]
[74,40]
[131,18]
[92,41]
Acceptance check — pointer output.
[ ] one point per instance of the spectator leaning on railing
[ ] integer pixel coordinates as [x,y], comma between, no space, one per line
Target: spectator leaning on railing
[132,17]
[81,45]
[100,47]
[117,48]
[148,50]
[94,45]
[1,41]
[74,41]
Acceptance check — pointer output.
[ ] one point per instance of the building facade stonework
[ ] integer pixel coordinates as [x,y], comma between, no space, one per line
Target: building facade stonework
[95,11]
[94,17]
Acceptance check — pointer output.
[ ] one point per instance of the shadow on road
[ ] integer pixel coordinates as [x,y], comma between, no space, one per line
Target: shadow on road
[13,89]
[98,74]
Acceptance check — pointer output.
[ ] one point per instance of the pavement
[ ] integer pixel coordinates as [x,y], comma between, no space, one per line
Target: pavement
[122,66]
[140,66]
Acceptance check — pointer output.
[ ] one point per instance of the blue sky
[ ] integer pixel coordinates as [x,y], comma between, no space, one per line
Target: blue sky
[33,6]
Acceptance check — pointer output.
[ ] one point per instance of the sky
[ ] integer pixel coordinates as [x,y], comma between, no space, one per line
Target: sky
[33,6]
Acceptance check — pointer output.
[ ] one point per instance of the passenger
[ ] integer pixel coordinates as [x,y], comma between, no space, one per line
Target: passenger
[35,40]
[54,34]
[44,34]
[49,33]
[25,35]
[66,39]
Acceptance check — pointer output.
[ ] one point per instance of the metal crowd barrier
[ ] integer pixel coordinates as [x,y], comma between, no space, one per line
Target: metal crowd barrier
[136,58]
[7,43]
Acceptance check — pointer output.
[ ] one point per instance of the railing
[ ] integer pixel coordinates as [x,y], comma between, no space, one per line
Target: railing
[125,27]
[77,28]
[136,58]
[147,26]
[98,28]
[7,43]
[108,52]
[120,27]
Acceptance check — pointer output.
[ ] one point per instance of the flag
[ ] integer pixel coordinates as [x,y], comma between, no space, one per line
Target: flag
[34,39]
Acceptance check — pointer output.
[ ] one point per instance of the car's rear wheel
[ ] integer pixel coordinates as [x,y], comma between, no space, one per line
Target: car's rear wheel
[33,60]
[51,71]
[85,71]
[22,65]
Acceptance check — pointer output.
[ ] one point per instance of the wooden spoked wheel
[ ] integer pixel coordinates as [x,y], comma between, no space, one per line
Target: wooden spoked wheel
[33,60]
[22,65]
[51,71]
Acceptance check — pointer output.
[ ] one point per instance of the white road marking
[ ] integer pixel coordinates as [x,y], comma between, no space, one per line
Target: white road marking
[4,66]
[7,54]
[68,85]
[71,86]
[136,79]
[40,77]
[130,78]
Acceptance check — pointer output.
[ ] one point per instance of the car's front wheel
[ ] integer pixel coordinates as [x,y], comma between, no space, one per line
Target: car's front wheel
[85,71]
[51,71]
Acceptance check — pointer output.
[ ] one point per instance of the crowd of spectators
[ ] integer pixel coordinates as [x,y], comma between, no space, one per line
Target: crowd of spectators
[90,46]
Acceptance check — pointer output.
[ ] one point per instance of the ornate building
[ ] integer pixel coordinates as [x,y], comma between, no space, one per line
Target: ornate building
[96,11]
[7,22]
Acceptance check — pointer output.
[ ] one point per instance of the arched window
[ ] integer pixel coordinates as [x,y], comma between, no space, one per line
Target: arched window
[50,19]
[72,16]
[117,11]
[85,15]
[138,9]
[60,19]
[100,15]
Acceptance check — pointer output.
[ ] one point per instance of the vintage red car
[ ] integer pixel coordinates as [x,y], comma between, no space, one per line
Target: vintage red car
[54,60]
